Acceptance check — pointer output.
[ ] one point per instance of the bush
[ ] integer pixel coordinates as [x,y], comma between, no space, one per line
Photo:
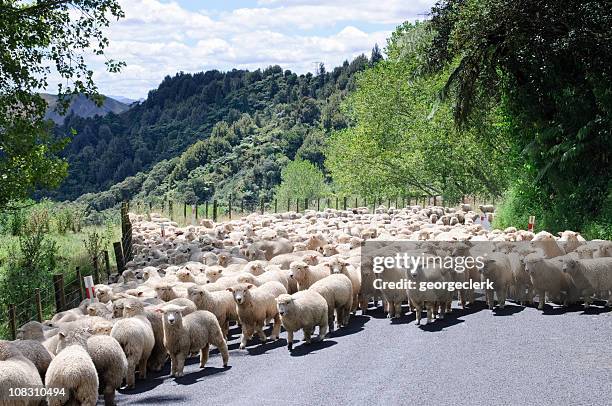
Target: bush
[301,180]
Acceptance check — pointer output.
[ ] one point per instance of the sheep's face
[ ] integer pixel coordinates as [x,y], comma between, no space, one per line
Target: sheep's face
[212,275]
[117,309]
[164,292]
[257,269]
[311,259]
[102,328]
[283,303]
[241,292]
[337,266]
[132,309]
[298,270]
[329,250]
[246,278]
[223,259]
[184,275]
[570,266]
[196,294]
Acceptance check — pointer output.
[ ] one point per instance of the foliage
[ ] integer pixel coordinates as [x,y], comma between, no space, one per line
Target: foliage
[404,141]
[35,36]
[186,143]
[301,180]
[547,63]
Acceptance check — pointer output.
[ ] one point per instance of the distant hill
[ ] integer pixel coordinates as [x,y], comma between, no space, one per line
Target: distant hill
[81,106]
[125,100]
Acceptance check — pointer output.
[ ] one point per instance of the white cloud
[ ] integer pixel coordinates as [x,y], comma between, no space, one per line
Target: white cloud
[161,38]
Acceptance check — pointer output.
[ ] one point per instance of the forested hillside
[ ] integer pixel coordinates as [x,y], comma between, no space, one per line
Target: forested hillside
[81,106]
[207,133]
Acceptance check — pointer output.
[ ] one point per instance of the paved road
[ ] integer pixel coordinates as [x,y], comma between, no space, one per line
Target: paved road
[476,357]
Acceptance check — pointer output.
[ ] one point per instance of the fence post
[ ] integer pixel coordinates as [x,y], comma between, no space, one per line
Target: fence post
[275,206]
[60,298]
[12,321]
[215,210]
[229,207]
[96,272]
[196,212]
[305,203]
[80,280]
[344,202]
[126,233]
[318,204]
[39,313]
[337,206]
[119,257]
[356,202]
[150,207]
[242,206]
[435,200]
[288,204]
[474,208]
[297,205]
[107,264]
[206,210]
[185,211]
[261,205]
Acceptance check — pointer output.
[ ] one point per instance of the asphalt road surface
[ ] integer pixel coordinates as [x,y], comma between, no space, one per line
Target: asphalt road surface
[519,356]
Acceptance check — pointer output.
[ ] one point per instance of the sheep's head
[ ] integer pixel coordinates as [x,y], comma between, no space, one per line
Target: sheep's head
[223,259]
[298,270]
[241,292]
[311,259]
[173,314]
[32,330]
[103,293]
[197,294]
[184,275]
[132,308]
[283,302]
[329,250]
[256,268]
[246,278]
[97,309]
[570,266]
[165,291]
[102,328]
[338,265]
[213,275]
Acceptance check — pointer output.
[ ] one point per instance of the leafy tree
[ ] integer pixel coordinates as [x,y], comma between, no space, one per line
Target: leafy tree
[549,65]
[33,37]
[376,55]
[301,180]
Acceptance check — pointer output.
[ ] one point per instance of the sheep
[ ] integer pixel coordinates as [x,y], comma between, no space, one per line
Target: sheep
[285,260]
[306,275]
[106,354]
[33,330]
[36,353]
[16,371]
[136,337]
[220,303]
[547,243]
[591,276]
[268,249]
[255,306]
[547,277]
[280,276]
[522,288]
[73,370]
[569,240]
[303,310]
[337,290]
[486,208]
[421,274]
[165,291]
[338,265]
[498,270]
[187,335]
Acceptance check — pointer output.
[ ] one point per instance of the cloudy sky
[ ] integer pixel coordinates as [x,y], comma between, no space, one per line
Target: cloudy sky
[161,37]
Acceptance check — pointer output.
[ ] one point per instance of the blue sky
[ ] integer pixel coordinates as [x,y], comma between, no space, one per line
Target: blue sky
[162,37]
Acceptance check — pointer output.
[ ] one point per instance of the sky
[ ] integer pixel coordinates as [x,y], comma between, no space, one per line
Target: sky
[161,37]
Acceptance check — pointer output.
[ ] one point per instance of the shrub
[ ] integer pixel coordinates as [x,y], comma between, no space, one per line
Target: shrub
[301,180]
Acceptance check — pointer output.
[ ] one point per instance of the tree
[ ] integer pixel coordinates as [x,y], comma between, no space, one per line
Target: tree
[376,55]
[301,180]
[548,63]
[35,36]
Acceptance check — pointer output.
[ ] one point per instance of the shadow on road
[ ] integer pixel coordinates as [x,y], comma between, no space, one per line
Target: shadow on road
[355,325]
[508,310]
[305,349]
[191,378]
[160,399]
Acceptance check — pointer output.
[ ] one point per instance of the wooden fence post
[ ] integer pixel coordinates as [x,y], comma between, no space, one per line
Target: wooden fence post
[435,200]
[215,210]
[242,206]
[345,202]
[60,298]
[356,202]
[275,206]
[288,204]
[80,280]
[206,210]
[107,264]
[12,321]
[306,204]
[96,271]
[196,212]
[185,211]
[297,205]
[262,205]
[229,207]
[39,313]
[126,234]
[119,257]
[318,204]
[337,206]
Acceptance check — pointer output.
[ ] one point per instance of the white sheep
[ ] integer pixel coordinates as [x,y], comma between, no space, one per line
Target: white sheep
[220,303]
[339,265]
[303,310]
[255,307]
[548,278]
[498,270]
[191,334]
[135,335]
[36,353]
[73,370]
[306,275]
[591,276]
[337,290]
[16,371]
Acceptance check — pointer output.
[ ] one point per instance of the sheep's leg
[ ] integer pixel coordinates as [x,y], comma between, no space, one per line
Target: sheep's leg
[430,312]
[398,310]
[84,397]
[322,329]
[439,309]
[131,374]
[204,355]
[307,335]
[260,333]
[490,299]
[418,310]
[222,346]
[289,340]
[363,304]
[109,395]
[542,299]
[247,333]
[501,298]
[276,328]
[180,365]
[330,318]
[355,303]
[461,296]
[347,315]
[225,328]
[142,368]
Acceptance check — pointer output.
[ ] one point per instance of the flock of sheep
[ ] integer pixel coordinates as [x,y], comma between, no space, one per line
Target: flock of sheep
[186,285]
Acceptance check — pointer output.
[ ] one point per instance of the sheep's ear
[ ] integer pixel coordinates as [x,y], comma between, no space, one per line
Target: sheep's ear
[140,294]
[249,286]
[230,289]
[62,334]
[220,270]
[560,233]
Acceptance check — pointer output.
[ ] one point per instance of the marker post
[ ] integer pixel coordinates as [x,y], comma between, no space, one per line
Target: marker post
[531,224]
[89,288]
